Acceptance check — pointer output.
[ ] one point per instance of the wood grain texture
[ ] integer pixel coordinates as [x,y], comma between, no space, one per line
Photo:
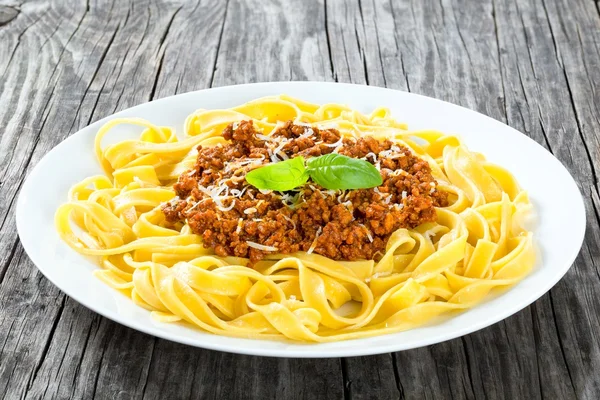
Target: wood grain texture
[533,64]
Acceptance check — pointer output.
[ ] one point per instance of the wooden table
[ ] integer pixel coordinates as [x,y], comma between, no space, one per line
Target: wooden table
[534,64]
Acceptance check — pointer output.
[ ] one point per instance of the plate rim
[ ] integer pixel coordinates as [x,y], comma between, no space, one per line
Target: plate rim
[308,348]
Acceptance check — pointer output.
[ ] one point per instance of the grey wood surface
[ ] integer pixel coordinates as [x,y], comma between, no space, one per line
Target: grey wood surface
[533,64]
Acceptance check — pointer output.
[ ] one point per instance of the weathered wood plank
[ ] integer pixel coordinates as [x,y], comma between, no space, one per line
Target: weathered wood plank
[276,40]
[532,64]
[29,302]
[227,376]
[371,377]
[299,58]
[8,13]
[538,99]
[70,62]
[477,77]
[100,348]
[448,50]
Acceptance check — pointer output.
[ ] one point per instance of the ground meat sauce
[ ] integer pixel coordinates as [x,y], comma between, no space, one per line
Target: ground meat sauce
[236,219]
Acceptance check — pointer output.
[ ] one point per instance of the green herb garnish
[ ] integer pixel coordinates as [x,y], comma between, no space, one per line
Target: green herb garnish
[332,171]
[335,171]
[281,176]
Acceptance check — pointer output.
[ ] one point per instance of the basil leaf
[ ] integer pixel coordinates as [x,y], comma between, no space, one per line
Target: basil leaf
[280,176]
[335,171]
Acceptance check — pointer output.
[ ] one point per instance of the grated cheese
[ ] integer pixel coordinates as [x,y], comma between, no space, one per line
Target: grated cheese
[289,219]
[223,208]
[429,233]
[261,247]
[336,144]
[369,236]
[263,137]
[308,132]
[371,154]
[314,243]
[238,193]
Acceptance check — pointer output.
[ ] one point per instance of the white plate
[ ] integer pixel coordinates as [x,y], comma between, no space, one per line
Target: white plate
[559,233]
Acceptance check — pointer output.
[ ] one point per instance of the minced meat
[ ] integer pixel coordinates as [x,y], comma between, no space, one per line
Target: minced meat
[236,219]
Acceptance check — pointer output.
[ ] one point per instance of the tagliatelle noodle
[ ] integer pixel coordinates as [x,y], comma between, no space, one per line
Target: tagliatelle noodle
[478,243]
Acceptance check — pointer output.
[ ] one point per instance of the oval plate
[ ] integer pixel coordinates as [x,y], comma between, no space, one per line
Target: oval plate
[558,235]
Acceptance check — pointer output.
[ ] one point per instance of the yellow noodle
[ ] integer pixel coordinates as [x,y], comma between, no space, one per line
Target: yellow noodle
[479,241]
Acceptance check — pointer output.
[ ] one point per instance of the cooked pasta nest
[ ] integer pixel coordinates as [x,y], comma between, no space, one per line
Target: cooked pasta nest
[479,242]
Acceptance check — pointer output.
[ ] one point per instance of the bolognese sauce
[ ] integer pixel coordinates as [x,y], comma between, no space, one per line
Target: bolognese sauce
[236,219]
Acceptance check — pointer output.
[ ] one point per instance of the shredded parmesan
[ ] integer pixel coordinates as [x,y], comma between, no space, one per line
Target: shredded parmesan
[250,210]
[223,208]
[404,194]
[390,154]
[373,155]
[239,226]
[289,219]
[308,132]
[429,233]
[369,236]
[238,193]
[262,137]
[336,144]
[291,201]
[278,151]
[261,247]
[314,243]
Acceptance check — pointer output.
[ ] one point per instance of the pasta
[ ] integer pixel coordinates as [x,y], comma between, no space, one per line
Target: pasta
[478,242]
